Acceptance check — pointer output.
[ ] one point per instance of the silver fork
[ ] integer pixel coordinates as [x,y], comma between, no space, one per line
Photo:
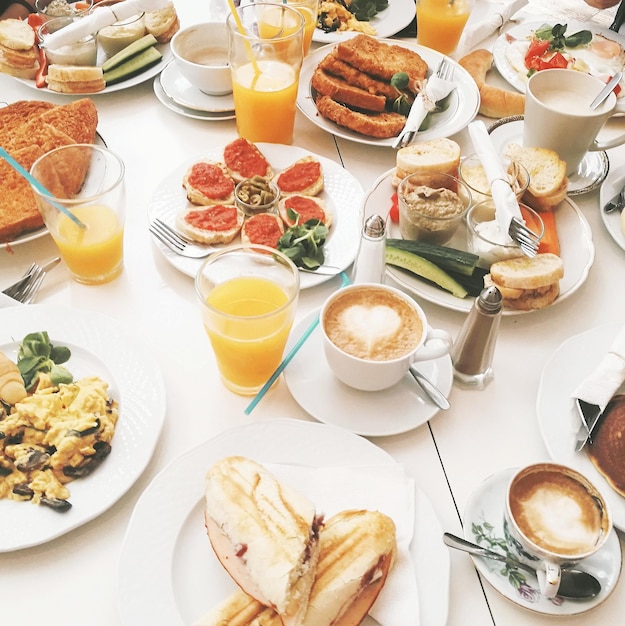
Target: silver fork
[526,238]
[27,287]
[177,243]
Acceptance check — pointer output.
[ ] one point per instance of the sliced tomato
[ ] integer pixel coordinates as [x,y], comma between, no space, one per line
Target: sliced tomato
[557,61]
[537,48]
[394,212]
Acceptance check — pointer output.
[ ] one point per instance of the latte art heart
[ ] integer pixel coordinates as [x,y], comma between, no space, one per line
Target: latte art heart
[370,325]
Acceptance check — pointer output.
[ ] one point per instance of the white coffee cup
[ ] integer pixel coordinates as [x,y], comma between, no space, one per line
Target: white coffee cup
[554,517]
[373,333]
[558,115]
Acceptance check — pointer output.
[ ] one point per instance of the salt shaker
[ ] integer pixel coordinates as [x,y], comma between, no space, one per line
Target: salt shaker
[370,262]
[472,352]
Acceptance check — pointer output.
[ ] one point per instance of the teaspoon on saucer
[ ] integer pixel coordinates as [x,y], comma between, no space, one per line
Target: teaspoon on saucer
[574,584]
[432,391]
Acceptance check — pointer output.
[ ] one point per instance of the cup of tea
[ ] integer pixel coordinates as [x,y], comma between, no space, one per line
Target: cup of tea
[554,517]
[558,115]
[373,333]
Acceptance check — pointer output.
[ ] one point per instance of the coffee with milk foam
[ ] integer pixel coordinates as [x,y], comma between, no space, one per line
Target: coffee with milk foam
[373,324]
[557,512]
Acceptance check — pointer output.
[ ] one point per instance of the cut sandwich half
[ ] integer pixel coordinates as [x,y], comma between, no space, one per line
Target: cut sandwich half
[264,533]
[357,550]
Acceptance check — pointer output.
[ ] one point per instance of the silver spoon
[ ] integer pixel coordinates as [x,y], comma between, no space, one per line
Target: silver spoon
[432,391]
[574,584]
[607,90]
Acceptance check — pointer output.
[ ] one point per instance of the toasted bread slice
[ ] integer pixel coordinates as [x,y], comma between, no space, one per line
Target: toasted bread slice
[163,23]
[15,114]
[16,34]
[533,299]
[307,207]
[341,91]
[208,182]
[244,160]
[547,170]
[304,177]
[78,119]
[75,78]
[435,156]
[264,229]
[528,273]
[549,202]
[380,125]
[213,224]
[23,59]
[27,73]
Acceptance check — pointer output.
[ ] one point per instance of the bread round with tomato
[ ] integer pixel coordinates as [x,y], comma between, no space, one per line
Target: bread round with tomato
[244,160]
[304,177]
[217,223]
[208,182]
[306,207]
[263,229]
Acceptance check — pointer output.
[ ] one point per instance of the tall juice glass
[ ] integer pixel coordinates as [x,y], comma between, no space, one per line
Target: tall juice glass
[310,11]
[440,23]
[248,295]
[265,61]
[87,181]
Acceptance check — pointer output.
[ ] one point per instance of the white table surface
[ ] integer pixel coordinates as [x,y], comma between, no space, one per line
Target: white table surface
[72,581]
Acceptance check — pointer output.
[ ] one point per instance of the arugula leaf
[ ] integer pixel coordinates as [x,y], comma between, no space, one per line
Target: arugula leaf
[303,243]
[556,35]
[37,354]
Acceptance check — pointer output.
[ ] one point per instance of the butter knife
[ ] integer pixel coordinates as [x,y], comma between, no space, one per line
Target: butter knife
[617,202]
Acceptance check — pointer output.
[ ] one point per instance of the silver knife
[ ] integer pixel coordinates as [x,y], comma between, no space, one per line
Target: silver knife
[617,202]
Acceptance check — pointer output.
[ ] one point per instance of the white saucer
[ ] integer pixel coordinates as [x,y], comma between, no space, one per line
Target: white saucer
[483,524]
[612,221]
[183,93]
[369,413]
[591,171]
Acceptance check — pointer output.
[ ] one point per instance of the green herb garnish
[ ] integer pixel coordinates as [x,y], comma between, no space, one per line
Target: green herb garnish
[303,243]
[558,39]
[364,10]
[401,104]
[37,354]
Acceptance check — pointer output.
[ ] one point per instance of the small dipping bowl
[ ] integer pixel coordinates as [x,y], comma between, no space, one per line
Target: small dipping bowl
[50,9]
[201,54]
[472,173]
[257,195]
[117,36]
[485,239]
[432,206]
[81,52]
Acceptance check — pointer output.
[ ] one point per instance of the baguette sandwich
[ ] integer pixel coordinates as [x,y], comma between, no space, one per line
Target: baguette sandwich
[264,533]
[357,550]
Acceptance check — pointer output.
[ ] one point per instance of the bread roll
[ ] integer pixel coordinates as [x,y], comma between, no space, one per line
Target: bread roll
[436,156]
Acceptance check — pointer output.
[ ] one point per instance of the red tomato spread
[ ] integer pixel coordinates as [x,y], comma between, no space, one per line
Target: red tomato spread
[209,179]
[245,159]
[306,207]
[217,217]
[263,229]
[299,176]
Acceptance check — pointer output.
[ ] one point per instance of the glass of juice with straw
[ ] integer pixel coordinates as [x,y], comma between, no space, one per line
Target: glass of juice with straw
[265,50]
[248,295]
[440,23]
[83,206]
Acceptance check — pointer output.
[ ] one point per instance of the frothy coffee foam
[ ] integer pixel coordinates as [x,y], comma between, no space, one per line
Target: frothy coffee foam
[373,324]
[556,512]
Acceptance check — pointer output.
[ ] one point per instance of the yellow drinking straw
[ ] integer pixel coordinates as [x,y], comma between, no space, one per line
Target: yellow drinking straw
[240,28]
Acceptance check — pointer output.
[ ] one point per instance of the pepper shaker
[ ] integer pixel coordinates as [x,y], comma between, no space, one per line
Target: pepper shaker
[472,352]
[370,262]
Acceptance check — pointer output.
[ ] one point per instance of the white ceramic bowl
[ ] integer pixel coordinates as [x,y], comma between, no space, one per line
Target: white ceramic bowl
[201,54]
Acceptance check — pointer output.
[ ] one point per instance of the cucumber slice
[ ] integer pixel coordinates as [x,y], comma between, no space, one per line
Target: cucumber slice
[131,50]
[448,258]
[137,64]
[426,269]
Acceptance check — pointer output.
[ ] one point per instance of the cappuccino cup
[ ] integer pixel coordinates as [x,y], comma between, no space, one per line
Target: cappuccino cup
[373,333]
[558,115]
[554,518]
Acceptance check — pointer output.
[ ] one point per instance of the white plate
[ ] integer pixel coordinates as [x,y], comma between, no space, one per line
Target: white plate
[525,31]
[576,249]
[371,414]
[99,346]
[342,194]
[43,231]
[182,92]
[612,221]
[124,84]
[484,514]
[168,573]
[590,173]
[387,23]
[463,106]
[571,363]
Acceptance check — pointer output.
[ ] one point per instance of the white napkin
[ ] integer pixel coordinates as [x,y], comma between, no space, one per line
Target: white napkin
[384,488]
[599,387]
[485,22]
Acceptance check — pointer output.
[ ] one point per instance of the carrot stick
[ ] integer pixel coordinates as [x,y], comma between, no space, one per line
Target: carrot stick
[549,241]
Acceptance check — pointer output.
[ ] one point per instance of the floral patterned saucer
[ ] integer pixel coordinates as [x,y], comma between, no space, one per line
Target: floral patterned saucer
[483,524]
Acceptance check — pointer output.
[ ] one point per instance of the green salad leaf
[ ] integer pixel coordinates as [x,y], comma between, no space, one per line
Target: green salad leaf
[364,10]
[37,354]
[303,243]
[556,35]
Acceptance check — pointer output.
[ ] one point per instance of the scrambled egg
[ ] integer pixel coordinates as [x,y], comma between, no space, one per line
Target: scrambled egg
[333,12]
[52,437]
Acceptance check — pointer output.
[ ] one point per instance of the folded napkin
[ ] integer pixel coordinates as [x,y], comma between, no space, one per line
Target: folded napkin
[601,385]
[384,488]
[486,18]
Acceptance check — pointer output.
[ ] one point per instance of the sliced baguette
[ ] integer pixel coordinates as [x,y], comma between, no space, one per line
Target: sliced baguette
[304,177]
[264,229]
[436,156]
[208,182]
[16,34]
[547,170]
[163,23]
[308,208]
[244,160]
[75,79]
[528,273]
[213,224]
[533,299]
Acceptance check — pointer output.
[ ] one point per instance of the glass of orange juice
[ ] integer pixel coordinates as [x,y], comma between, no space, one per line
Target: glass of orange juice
[83,205]
[440,23]
[265,53]
[310,12]
[248,295]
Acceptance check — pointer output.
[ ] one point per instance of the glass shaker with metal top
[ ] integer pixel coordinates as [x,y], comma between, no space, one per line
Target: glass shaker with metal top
[370,262]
